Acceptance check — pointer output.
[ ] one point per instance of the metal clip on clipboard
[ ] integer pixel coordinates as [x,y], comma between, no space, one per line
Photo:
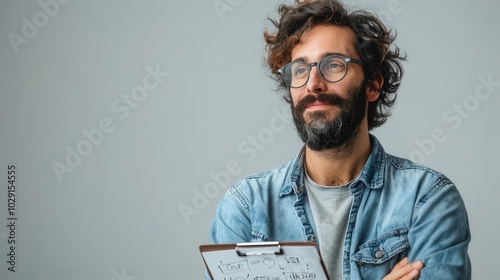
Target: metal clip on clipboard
[258,248]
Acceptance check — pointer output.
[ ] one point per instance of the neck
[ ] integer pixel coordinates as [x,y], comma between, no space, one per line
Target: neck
[339,166]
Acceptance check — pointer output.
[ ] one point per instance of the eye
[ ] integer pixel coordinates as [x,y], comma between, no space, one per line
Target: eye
[299,69]
[333,65]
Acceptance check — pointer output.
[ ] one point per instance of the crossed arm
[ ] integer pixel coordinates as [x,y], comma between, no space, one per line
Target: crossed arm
[439,236]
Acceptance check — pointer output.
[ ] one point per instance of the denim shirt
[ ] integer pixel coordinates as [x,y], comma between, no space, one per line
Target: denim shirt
[399,209]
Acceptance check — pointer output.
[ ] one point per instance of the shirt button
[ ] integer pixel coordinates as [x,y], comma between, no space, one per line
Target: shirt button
[313,238]
[379,253]
[360,263]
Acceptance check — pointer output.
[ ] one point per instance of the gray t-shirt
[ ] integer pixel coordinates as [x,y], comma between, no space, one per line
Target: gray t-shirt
[330,208]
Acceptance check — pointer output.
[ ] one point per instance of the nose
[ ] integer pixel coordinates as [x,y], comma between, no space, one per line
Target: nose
[315,84]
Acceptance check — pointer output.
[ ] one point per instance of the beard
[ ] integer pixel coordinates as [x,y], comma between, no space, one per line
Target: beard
[321,133]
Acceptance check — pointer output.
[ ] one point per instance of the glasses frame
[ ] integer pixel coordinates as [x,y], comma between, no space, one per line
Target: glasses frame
[346,59]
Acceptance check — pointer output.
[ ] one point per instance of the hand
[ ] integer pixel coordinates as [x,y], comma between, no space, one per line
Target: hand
[405,271]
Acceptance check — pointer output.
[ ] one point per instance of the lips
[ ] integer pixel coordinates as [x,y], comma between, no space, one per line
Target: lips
[318,101]
[318,104]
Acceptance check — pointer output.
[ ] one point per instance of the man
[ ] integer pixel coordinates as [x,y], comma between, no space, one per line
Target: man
[373,215]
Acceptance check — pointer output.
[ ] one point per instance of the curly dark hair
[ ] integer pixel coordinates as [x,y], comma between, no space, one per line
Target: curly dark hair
[373,44]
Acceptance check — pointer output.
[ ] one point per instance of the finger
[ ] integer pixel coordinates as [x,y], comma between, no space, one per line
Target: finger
[395,272]
[418,265]
[405,272]
[401,263]
[415,273]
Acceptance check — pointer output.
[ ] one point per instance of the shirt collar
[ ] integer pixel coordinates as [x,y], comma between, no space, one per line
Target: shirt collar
[372,174]
[295,179]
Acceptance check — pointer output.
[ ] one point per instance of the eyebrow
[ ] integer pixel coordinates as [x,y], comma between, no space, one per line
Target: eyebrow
[303,58]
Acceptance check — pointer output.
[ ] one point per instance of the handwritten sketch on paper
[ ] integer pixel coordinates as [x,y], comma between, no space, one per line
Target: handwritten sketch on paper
[295,262]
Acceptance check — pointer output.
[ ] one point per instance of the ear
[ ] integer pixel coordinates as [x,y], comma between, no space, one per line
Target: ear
[374,87]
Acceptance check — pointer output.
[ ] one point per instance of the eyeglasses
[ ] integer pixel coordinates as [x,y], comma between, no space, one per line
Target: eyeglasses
[331,68]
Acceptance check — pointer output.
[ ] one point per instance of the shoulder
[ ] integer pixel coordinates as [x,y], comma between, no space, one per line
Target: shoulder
[398,175]
[400,164]
[257,190]
[406,177]
[406,167]
[265,181]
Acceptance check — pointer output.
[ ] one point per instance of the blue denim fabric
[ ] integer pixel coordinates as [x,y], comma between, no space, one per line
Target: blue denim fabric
[399,209]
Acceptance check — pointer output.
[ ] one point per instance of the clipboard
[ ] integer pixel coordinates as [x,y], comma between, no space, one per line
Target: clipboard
[264,261]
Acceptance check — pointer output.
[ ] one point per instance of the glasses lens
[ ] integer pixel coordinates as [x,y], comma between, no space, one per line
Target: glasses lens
[297,73]
[333,68]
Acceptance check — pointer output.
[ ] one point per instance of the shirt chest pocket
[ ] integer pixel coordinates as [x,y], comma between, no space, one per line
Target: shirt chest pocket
[382,251]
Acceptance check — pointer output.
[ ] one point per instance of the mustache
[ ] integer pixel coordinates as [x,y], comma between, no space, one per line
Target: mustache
[327,98]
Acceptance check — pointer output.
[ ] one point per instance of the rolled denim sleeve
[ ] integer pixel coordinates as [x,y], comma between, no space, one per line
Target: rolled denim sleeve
[440,234]
[231,223]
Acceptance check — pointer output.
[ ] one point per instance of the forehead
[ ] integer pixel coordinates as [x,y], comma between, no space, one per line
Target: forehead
[323,39]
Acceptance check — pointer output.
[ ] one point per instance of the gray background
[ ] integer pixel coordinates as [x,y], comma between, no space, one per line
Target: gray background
[117,214]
